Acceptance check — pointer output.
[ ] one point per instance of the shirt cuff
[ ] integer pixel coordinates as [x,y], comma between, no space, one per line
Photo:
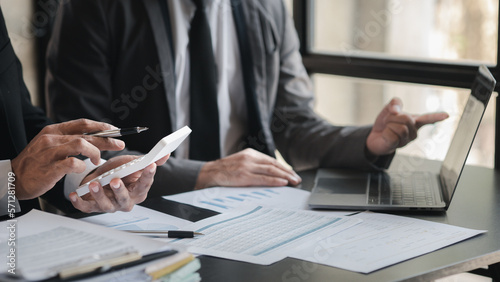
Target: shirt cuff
[73,180]
[5,168]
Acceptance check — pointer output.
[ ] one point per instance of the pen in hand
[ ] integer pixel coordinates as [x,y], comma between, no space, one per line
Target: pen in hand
[118,132]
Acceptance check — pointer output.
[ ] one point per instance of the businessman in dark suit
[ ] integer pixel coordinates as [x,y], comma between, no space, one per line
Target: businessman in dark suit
[35,154]
[143,63]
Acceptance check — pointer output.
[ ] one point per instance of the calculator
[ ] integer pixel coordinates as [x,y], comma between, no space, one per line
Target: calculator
[164,147]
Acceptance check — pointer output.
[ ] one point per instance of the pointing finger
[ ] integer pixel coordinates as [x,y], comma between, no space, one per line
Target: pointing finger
[430,119]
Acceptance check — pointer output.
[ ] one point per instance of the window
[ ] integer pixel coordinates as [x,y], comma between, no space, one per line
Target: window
[437,30]
[361,53]
[362,99]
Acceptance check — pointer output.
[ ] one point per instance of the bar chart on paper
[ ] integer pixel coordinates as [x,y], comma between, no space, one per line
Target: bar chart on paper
[225,199]
[140,218]
[233,201]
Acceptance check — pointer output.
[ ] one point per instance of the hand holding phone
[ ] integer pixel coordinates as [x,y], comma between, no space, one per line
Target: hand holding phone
[164,147]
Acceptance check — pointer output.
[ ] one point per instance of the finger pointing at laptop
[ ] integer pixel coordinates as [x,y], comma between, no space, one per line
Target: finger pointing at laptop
[394,128]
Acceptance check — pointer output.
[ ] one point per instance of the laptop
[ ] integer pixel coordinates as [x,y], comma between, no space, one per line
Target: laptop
[415,190]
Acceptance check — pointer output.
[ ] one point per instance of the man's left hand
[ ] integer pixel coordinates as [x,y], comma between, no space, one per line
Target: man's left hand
[394,129]
[119,194]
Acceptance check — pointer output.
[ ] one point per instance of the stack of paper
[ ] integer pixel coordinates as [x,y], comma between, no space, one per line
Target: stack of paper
[180,267]
[44,245]
[265,225]
[379,240]
[258,235]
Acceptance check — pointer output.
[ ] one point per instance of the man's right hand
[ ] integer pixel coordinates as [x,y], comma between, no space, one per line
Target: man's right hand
[246,168]
[50,155]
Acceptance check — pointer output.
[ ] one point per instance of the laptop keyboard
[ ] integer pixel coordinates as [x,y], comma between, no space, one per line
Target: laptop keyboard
[414,189]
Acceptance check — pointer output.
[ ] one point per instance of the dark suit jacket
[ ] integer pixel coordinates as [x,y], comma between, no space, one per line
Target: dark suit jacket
[111,60]
[20,121]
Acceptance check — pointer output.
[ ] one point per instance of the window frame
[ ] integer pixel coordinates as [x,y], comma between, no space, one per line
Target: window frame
[458,75]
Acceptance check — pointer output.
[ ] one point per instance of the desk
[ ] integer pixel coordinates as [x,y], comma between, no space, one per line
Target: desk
[476,204]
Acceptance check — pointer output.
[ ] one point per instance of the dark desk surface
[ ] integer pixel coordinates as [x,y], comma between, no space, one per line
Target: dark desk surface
[476,205]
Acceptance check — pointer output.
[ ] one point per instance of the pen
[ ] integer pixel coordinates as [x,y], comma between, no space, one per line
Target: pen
[118,132]
[171,233]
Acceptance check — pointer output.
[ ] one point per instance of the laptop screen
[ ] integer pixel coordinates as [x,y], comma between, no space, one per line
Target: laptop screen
[461,143]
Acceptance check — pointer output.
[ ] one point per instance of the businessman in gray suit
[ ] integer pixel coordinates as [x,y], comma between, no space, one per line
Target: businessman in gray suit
[231,69]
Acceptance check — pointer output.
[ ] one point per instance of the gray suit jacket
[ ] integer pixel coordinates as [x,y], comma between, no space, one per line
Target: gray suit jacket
[111,60]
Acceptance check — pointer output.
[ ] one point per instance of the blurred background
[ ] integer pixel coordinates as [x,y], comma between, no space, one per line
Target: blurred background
[453,32]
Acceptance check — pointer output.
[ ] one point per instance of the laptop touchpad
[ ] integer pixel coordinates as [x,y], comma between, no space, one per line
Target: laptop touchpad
[355,185]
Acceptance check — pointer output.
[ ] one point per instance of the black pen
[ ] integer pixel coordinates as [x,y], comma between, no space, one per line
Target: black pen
[171,233]
[118,132]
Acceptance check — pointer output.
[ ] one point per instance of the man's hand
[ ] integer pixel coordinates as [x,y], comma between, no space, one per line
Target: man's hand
[49,156]
[246,168]
[394,129]
[120,194]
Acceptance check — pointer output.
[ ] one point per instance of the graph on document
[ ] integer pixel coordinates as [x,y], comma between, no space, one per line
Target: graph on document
[262,235]
[225,199]
[234,201]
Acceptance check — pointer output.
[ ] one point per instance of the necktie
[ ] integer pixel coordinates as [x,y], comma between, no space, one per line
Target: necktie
[204,114]
[255,130]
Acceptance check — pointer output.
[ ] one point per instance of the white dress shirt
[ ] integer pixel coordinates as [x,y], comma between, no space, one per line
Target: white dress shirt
[71,183]
[230,88]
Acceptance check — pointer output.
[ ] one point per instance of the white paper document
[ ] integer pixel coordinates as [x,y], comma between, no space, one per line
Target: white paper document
[46,243]
[139,218]
[224,199]
[381,240]
[261,235]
